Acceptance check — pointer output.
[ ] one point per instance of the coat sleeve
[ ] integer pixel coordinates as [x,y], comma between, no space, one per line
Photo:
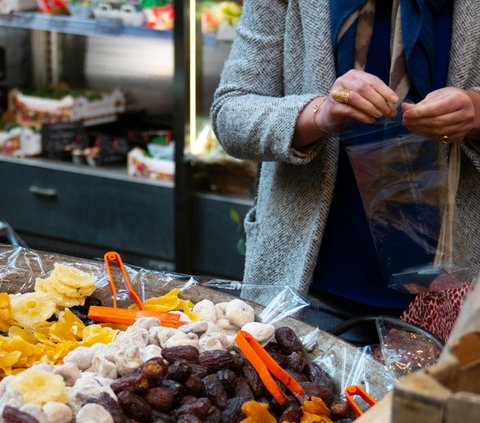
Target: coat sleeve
[251,116]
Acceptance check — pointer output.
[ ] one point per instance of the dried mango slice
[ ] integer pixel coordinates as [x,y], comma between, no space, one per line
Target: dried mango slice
[316,406]
[257,412]
[314,418]
[32,308]
[96,333]
[40,386]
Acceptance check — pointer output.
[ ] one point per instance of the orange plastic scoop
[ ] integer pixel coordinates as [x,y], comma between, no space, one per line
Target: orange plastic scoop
[264,364]
[352,390]
[127,316]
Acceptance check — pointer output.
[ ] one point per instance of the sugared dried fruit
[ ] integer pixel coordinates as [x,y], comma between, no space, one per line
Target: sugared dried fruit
[257,412]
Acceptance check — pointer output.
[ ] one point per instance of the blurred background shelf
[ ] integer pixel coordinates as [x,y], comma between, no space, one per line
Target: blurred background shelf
[78,26]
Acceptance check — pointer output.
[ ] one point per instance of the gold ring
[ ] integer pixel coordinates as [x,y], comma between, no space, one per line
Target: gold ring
[445,139]
[341,96]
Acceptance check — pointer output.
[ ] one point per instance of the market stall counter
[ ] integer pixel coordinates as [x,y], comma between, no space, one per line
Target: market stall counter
[191,368]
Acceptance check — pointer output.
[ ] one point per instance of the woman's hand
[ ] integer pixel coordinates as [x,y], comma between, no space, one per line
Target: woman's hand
[448,114]
[368,99]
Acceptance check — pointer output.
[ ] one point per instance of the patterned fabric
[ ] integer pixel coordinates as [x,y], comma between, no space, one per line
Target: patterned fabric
[411,40]
[436,311]
[282,58]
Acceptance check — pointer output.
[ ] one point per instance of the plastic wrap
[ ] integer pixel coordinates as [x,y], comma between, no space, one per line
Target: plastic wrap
[19,267]
[408,193]
[405,348]
[355,369]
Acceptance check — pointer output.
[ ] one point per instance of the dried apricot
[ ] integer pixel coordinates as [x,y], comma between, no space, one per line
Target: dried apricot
[257,412]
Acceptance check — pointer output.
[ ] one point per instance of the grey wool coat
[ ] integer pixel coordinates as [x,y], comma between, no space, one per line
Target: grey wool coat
[281,59]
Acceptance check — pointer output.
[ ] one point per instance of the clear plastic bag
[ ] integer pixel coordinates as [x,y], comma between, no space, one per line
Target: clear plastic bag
[405,348]
[408,193]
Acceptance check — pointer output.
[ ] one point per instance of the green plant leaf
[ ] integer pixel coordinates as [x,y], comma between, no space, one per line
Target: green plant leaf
[234,216]
[241,247]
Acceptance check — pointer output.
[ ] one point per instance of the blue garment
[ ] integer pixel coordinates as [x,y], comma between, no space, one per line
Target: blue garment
[418,32]
[347,264]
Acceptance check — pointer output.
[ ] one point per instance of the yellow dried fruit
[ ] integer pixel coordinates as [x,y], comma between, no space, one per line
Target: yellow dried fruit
[32,308]
[314,418]
[73,277]
[257,412]
[40,386]
[316,406]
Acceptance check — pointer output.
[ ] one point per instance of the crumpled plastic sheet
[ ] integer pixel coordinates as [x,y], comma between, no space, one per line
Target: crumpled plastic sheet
[19,267]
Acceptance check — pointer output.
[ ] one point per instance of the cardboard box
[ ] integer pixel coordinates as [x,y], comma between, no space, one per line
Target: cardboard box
[448,392]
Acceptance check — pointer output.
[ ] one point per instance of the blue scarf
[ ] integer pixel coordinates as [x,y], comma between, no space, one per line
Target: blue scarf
[412,42]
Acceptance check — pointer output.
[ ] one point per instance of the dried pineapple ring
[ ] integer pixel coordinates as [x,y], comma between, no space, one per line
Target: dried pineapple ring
[31,308]
[40,386]
[63,301]
[74,277]
[54,286]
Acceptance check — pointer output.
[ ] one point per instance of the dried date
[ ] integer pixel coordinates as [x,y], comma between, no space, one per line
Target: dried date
[181,352]
[107,402]
[276,351]
[154,370]
[292,414]
[135,407]
[228,379]
[253,380]
[341,410]
[136,382]
[213,389]
[242,389]
[315,390]
[198,370]
[175,388]
[160,398]
[179,371]
[316,374]
[297,361]
[160,417]
[233,411]
[198,408]
[214,415]
[288,340]
[187,399]
[188,418]
[14,415]
[193,385]
[215,360]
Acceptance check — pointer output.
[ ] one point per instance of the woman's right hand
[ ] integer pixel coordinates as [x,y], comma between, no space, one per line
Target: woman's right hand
[369,99]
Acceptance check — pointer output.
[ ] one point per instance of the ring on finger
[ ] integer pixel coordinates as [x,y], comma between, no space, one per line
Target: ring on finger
[445,139]
[341,96]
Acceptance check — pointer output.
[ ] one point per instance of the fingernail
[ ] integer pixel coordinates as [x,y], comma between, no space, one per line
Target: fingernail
[394,99]
[378,114]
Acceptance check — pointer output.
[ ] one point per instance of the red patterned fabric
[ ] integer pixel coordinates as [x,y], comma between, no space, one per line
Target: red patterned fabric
[436,311]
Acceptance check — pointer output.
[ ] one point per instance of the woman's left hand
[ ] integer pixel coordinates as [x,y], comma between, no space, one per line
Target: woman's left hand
[448,114]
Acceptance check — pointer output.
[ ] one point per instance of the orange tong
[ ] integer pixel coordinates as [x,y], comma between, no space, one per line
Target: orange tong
[352,390]
[264,364]
[122,315]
